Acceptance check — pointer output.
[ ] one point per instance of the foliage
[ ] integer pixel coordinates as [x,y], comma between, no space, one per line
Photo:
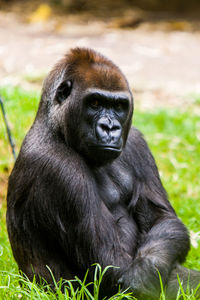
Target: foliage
[174,138]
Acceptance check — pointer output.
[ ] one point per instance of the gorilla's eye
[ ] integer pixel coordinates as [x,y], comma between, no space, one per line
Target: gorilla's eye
[118,105]
[63,91]
[94,103]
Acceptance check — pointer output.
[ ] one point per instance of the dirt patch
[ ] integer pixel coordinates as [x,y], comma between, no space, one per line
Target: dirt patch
[160,58]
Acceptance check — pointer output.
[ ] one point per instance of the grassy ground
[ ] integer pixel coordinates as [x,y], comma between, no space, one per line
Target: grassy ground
[174,138]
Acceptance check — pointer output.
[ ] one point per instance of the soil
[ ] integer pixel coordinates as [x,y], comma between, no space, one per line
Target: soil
[160,59]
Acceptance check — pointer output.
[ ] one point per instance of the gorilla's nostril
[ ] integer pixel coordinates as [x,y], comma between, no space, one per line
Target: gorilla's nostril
[105,127]
[115,127]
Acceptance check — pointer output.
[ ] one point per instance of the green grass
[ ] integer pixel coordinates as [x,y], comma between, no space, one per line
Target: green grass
[174,138]
[20,108]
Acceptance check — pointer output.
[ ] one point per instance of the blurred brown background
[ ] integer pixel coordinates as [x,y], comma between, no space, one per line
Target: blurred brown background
[155,42]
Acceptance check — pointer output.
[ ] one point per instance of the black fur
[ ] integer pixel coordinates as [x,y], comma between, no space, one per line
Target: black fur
[68,209]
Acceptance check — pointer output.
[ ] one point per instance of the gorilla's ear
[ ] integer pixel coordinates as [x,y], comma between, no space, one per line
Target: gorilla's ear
[63,91]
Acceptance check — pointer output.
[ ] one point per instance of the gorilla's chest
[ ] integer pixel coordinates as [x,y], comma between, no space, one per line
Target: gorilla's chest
[114,186]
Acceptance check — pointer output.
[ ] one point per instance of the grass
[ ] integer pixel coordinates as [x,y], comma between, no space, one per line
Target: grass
[20,107]
[174,138]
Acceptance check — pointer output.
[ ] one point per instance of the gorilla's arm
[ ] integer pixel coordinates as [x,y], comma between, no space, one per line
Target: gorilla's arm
[165,240]
[164,245]
[56,197]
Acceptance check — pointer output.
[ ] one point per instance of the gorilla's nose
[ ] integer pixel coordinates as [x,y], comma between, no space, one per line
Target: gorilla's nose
[108,130]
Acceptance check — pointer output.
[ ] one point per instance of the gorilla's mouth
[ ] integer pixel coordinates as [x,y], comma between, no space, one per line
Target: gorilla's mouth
[109,148]
[103,153]
[115,147]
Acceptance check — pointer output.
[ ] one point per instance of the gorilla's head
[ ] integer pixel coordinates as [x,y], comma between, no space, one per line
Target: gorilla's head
[86,100]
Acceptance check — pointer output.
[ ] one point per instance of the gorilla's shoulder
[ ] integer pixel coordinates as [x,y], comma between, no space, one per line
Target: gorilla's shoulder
[135,139]
[135,133]
[136,151]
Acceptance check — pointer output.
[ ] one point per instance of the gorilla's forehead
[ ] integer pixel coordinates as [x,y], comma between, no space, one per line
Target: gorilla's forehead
[102,76]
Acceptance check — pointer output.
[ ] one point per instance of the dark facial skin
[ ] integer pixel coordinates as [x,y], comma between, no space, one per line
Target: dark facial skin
[105,114]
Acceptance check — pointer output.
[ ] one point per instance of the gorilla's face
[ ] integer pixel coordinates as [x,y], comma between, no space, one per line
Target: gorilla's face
[92,109]
[102,131]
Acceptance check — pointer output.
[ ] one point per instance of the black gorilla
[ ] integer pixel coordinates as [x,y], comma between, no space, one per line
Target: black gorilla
[85,188]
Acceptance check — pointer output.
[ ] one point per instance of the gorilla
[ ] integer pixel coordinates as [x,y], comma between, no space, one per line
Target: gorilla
[85,188]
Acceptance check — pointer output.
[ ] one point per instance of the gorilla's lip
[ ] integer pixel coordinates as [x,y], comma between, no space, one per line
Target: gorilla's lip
[109,148]
[106,148]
